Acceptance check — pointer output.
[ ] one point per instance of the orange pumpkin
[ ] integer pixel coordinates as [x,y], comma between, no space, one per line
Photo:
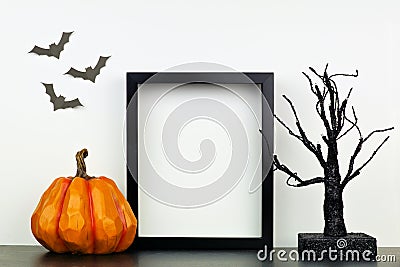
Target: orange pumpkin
[84,214]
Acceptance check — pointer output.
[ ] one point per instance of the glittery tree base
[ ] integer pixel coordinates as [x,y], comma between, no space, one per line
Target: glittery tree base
[352,247]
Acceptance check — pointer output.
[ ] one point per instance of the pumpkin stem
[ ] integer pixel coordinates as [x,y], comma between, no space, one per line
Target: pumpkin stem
[81,166]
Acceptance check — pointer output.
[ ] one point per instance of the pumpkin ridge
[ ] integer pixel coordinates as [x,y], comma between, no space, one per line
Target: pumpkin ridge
[64,189]
[38,211]
[127,211]
[121,217]
[37,233]
[75,218]
[55,199]
[93,226]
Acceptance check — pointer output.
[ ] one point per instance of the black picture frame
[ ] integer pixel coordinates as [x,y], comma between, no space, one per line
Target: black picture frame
[266,84]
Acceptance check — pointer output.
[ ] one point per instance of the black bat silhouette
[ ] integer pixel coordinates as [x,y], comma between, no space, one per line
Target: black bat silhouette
[59,101]
[89,73]
[54,50]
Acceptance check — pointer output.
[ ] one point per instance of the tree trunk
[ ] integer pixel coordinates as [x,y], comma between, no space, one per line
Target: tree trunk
[333,202]
[333,211]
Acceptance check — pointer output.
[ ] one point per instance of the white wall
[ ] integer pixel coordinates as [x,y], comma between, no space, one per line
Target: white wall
[38,145]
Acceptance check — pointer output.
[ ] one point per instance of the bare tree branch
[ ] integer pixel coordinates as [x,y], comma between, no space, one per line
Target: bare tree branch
[315,180]
[287,128]
[303,137]
[321,113]
[341,113]
[352,159]
[320,96]
[316,73]
[328,89]
[310,82]
[345,75]
[294,176]
[353,124]
[347,179]
[378,131]
[350,175]
[333,97]
[337,120]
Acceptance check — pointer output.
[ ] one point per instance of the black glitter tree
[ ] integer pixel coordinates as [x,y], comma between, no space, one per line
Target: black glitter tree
[333,113]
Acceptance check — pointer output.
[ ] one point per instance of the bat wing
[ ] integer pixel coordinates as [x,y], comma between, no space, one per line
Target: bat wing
[64,39]
[91,75]
[41,51]
[72,104]
[50,92]
[100,64]
[77,74]
[56,49]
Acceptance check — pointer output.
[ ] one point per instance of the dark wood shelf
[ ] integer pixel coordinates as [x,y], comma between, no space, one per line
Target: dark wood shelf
[38,256]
